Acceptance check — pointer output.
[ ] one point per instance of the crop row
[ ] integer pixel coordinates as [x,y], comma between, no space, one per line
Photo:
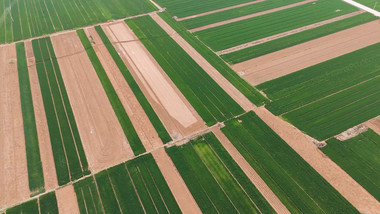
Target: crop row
[25,19]
[215,180]
[69,157]
[133,187]
[206,96]
[298,38]
[300,188]
[45,204]
[237,33]
[359,157]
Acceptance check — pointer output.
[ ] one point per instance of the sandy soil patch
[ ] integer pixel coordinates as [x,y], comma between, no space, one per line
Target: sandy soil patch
[374,124]
[47,158]
[255,178]
[352,132]
[336,176]
[102,137]
[287,33]
[14,183]
[249,16]
[67,200]
[219,10]
[177,114]
[289,60]
[176,184]
[206,66]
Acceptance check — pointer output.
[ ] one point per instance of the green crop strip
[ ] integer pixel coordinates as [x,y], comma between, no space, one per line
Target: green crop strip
[48,203]
[45,204]
[373,4]
[35,174]
[359,157]
[70,160]
[88,196]
[117,106]
[206,96]
[300,188]
[156,122]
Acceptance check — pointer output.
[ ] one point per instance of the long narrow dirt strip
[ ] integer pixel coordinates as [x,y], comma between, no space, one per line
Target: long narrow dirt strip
[205,65]
[102,137]
[49,171]
[250,16]
[14,184]
[219,10]
[287,33]
[336,176]
[289,60]
[374,124]
[255,178]
[67,200]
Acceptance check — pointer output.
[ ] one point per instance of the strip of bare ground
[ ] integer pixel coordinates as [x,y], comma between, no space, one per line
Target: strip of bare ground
[287,33]
[289,60]
[374,124]
[67,200]
[205,65]
[250,16]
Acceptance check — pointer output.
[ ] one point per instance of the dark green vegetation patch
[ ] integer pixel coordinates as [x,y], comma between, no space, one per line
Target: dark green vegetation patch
[215,180]
[69,157]
[359,157]
[373,4]
[45,204]
[295,182]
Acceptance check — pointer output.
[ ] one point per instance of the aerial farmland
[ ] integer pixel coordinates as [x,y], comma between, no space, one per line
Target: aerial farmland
[189,106]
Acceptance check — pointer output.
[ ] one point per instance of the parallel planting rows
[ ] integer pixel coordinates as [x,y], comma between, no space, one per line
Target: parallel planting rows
[45,204]
[359,157]
[24,19]
[300,188]
[370,3]
[328,98]
[215,180]
[136,186]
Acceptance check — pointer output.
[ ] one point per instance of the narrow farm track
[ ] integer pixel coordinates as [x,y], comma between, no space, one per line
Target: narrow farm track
[205,65]
[67,200]
[337,177]
[220,10]
[255,178]
[13,166]
[250,16]
[102,137]
[374,124]
[50,176]
[289,60]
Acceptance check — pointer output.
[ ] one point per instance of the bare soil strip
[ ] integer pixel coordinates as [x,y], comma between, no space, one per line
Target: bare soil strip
[176,113]
[49,171]
[205,65]
[14,183]
[250,16]
[289,60]
[374,124]
[255,178]
[219,10]
[102,137]
[336,176]
[176,184]
[287,33]
[67,200]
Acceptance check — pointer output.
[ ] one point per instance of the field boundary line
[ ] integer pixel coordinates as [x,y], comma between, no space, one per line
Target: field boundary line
[56,13]
[363,7]
[27,18]
[134,187]
[250,16]
[51,20]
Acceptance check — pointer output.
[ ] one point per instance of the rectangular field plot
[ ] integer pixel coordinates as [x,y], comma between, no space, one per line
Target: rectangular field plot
[134,187]
[359,157]
[46,203]
[25,19]
[206,96]
[240,32]
[294,181]
[215,180]
[70,160]
[328,98]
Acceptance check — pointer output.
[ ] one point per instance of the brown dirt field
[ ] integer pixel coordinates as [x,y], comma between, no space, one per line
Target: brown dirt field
[255,178]
[47,159]
[176,113]
[289,60]
[67,200]
[176,184]
[287,33]
[336,176]
[374,124]
[14,183]
[249,16]
[102,137]
[219,10]
[205,65]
